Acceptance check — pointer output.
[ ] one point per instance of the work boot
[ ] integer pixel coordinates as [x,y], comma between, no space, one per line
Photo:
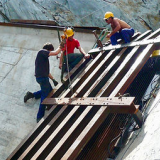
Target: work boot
[28,96]
[38,120]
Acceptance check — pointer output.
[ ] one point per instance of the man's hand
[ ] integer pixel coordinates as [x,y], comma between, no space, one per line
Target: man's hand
[108,36]
[62,44]
[86,56]
[50,76]
[55,82]
[60,66]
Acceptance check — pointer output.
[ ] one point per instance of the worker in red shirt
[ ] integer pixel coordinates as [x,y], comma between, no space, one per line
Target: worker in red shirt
[68,52]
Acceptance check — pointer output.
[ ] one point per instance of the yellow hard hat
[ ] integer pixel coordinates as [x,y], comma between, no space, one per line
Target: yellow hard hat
[69,32]
[108,15]
[155,53]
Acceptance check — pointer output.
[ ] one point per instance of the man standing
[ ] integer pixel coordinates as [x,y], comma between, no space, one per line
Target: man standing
[42,75]
[120,29]
[68,52]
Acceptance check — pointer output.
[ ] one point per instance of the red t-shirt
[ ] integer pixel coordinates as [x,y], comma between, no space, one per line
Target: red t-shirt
[71,45]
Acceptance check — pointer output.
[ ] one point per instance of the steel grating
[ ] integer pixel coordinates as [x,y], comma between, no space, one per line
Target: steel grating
[79,127]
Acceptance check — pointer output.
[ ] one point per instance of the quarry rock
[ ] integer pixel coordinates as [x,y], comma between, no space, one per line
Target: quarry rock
[142,15]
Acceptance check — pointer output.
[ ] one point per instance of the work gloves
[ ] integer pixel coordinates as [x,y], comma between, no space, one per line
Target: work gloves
[55,82]
[62,44]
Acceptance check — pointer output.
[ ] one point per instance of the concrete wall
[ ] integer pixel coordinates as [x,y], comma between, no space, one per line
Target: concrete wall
[18,49]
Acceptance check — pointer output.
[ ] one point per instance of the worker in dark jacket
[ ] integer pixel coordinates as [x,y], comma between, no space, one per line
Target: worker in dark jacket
[42,75]
[120,29]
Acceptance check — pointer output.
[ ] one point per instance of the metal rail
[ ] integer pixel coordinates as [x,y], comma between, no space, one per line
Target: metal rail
[132,44]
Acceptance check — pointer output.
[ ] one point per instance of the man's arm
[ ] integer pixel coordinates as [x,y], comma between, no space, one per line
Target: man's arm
[50,76]
[60,61]
[59,49]
[54,81]
[115,27]
[86,55]
[54,53]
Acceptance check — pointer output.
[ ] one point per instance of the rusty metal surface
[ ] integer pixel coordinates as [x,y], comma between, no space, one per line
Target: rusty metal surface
[76,131]
[114,104]
[34,22]
[43,24]
[106,101]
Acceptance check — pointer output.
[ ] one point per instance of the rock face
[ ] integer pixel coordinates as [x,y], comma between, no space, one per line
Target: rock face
[140,14]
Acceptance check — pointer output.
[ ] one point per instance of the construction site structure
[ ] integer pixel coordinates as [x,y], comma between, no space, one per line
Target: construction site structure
[97,103]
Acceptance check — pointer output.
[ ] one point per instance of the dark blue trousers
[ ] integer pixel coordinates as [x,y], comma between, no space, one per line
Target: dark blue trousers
[73,59]
[124,34]
[46,88]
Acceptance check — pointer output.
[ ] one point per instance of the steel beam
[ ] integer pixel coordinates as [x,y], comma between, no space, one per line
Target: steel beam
[95,101]
[138,117]
[132,44]
[133,71]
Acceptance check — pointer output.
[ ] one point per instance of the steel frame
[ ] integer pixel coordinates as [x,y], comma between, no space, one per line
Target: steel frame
[75,128]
